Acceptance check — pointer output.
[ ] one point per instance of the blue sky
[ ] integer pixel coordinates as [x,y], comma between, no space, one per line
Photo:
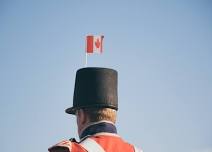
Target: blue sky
[161,49]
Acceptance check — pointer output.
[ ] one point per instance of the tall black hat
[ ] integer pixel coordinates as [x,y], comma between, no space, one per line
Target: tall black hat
[95,87]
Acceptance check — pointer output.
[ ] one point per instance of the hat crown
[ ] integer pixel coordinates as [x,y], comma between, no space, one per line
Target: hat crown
[95,87]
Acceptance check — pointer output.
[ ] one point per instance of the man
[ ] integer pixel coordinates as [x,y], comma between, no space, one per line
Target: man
[95,105]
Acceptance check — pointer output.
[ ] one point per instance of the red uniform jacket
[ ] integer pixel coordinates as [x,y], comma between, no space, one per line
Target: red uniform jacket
[103,133]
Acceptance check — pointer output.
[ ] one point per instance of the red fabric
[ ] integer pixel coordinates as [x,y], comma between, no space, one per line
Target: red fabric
[113,144]
[89,44]
[77,148]
[108,143]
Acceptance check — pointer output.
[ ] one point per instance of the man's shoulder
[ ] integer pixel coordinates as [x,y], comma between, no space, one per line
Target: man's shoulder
[109,142]
[67,146]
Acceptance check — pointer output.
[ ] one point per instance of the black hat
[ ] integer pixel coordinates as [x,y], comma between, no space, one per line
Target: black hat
[95,87]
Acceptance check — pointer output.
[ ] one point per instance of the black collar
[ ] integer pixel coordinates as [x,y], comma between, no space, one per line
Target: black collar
[97,128]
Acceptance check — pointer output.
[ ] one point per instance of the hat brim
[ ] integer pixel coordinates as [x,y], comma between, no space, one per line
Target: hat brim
[71,110]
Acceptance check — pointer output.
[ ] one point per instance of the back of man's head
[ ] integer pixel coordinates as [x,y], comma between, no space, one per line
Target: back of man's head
[101,114]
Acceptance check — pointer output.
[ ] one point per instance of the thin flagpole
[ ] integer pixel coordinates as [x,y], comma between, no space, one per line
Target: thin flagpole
[86,54]
[86,59]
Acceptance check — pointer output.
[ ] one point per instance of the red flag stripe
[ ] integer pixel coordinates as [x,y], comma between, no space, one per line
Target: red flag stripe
[101,43]
[89,44]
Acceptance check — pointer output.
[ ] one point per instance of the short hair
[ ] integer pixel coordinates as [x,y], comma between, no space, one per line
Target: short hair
[99,114]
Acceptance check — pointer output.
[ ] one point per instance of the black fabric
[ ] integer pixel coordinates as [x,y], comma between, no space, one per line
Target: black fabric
[98,128]
[95,87]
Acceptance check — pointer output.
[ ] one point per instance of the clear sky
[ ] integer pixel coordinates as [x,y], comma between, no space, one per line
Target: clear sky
[162,50]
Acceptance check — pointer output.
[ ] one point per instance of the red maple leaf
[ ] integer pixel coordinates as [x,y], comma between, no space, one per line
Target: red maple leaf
[97,43]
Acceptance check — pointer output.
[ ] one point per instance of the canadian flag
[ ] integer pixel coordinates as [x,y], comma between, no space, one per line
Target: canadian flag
[94,44]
